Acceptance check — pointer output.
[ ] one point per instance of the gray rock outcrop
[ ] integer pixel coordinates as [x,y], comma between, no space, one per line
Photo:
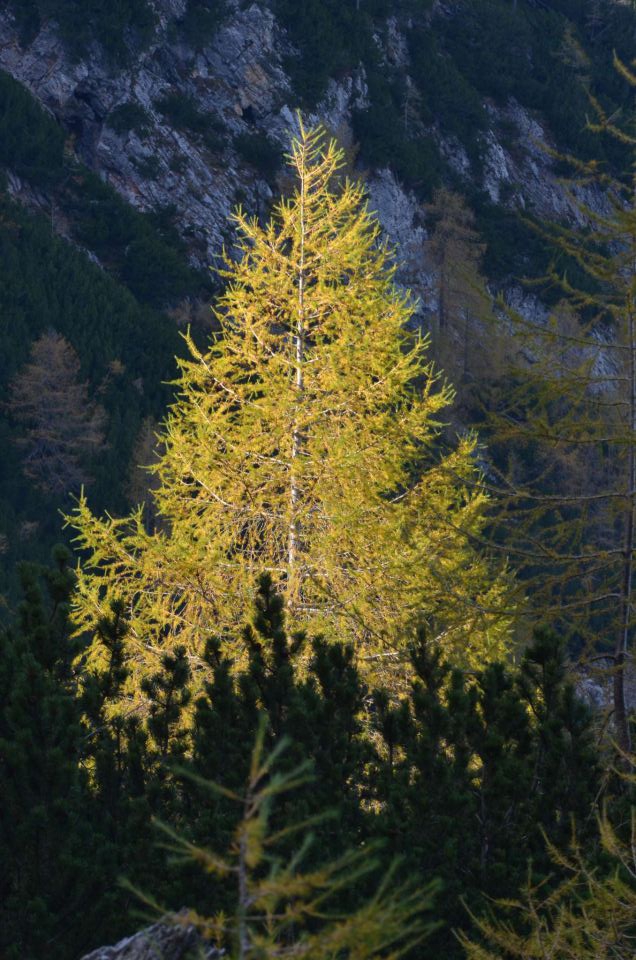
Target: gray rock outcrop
[238,82]
[162,941]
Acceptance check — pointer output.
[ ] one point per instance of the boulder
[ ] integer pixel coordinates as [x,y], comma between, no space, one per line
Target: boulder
[167,940]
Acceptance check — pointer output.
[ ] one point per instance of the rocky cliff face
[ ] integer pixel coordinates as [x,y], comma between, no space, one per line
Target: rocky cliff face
[159,165]
[239,86]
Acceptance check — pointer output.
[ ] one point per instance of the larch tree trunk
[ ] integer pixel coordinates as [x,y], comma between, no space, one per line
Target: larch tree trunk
[294,490]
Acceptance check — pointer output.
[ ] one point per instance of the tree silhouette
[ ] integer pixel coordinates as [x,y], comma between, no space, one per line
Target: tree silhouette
[63,427]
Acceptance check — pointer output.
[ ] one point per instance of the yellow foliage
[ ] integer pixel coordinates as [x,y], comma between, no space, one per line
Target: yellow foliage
[303,443]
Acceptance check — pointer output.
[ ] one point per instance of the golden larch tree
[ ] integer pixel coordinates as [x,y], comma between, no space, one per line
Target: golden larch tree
[563,422]
[455,251]
[303,443]
[63,426]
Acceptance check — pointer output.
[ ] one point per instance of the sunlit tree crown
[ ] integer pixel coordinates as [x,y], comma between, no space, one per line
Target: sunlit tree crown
[303,442]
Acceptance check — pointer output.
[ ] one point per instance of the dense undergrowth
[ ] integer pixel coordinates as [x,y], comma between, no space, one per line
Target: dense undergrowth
[464,778]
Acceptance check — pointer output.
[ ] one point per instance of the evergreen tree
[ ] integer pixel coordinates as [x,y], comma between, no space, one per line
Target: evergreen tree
[132,758]
[318,709]
[282,908]
[475,771]
[566,772]
[304,443]
[49,847]
[589,916]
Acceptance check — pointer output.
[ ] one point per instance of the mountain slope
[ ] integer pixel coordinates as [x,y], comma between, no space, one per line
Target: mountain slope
[131,130]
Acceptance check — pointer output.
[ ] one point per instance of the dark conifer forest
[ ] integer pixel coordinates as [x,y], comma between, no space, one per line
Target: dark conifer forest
[318,479]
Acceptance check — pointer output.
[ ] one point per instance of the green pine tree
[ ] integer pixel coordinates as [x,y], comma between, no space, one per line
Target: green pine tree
[49,841]
[282,908]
